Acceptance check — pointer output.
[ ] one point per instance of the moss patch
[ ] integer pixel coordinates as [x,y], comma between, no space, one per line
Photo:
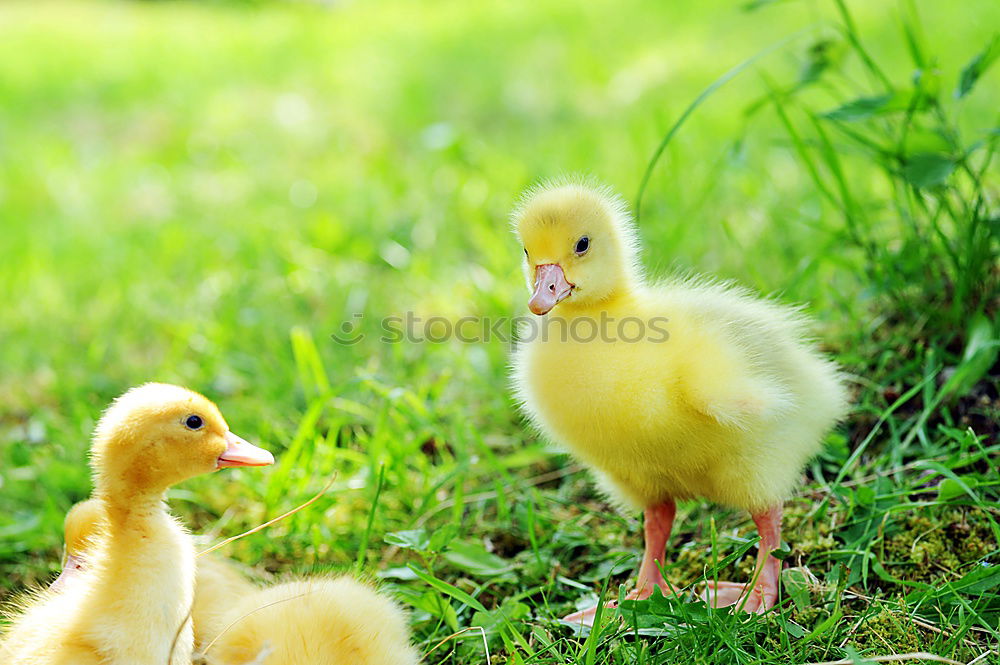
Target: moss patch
[933,548]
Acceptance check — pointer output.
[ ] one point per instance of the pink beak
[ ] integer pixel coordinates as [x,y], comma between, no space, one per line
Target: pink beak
[550,288]
[71,567]
[243,453]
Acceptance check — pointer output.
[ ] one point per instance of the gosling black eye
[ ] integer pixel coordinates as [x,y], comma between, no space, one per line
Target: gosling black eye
[526,252]
[193,422]
[582,245]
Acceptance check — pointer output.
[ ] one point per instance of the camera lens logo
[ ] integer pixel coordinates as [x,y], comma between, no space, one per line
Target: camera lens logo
[349,332]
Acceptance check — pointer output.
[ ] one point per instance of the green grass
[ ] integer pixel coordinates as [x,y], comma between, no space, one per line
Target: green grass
[204,194]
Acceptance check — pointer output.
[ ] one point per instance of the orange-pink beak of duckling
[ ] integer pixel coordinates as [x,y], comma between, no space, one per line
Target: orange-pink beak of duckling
[240,452]
[72,565]
[551,287]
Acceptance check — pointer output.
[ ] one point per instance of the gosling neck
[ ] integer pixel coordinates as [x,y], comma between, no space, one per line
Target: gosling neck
[122,506]
[147,565]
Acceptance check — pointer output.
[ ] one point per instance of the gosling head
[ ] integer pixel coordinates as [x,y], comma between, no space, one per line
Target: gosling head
[579,245]
[82,525]
[157,435]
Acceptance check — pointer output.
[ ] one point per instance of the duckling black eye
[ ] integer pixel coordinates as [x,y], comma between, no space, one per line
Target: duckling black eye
[582,245]
[193,422]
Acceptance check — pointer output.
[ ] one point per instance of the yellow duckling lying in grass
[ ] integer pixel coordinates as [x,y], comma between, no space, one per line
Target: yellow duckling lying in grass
[684,389]
[321,621]
[316,621]
[130,603]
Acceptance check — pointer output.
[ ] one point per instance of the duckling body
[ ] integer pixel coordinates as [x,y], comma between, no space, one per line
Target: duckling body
[147,535]
[218,585]
[710,401]
[130,604]
[683,389]
[317,621]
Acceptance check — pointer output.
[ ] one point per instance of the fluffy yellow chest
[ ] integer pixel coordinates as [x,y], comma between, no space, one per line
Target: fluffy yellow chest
[595,393]
[140,606]
[618,405]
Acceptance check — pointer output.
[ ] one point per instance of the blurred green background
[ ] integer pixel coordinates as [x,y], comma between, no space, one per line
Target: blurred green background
[204,194]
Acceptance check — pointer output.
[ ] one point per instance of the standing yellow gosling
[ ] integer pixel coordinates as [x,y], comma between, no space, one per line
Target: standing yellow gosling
[131,603]
[316,621]
[683,389]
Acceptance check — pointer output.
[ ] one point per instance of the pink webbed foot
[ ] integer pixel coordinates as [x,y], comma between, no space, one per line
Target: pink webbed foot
[764,593]
[727,594]
[722,594]
[658,522]
[586,617]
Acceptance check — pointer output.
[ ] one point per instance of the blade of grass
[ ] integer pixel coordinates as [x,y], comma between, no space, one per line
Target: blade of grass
[850,29]
[447,589]
[272,522]
[698,101]
[366,538]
